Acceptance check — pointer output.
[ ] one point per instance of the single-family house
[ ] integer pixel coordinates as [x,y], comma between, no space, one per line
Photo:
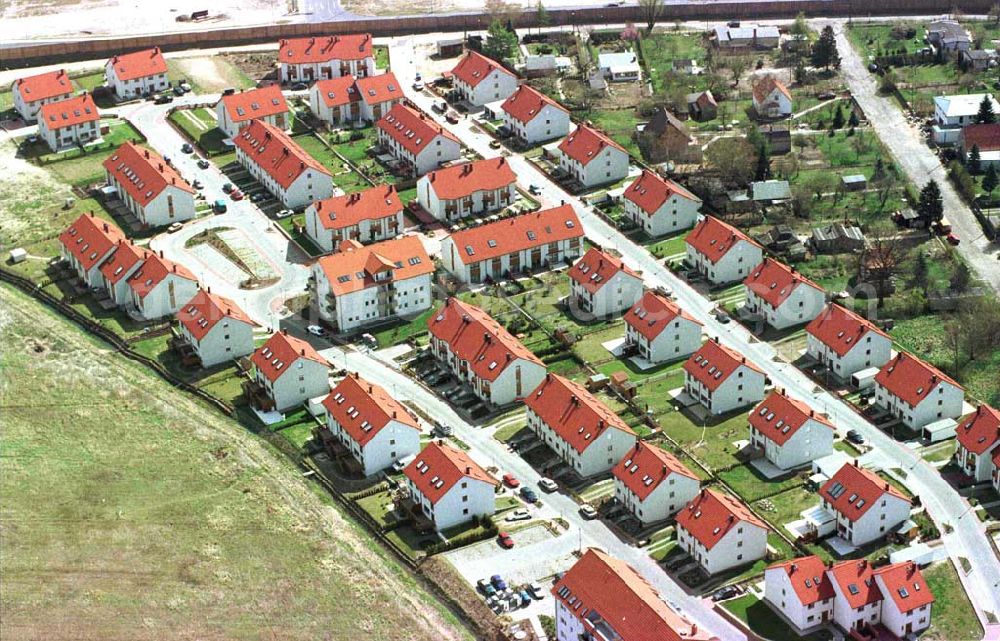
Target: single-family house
[415,140]
[150,187]
[475,188]
[653,484]
[722,379]
[532,117]
[702,106]
[906,599]
[70,122]
[660,206]
[866,506]
[948,35]
[985,138]
[720,532]
[665,138]
[159,287]
[448,488]
[622,66]
[788,432]
[309,59]
[845,342]
[977,59]
[781,296]
[602,285]
[480,80]
[916,392]
[952,113]
[283,167]
[658,330]
[86,244]
[978,434]
[137,74]
[720,252]
[801,591]
[771,98]
[235,110]
[31,92]
[744,37]
[365,216]
[215,327]
[288,371]
[592,158]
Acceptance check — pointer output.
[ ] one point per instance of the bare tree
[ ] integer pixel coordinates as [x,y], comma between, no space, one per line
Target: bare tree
[994,13]
[881,259]
[651,12]
[953,338]
[884,186]
[734,158]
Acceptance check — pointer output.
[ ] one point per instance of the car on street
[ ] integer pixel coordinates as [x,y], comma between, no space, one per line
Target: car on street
[518,515]
[174,227]
[505,540]
[220,206]
[452,117]
[953,239]
[529,495]
[164,99]
[855,437]
[228,187]
[548,484]
[536,591]
[497,581]
[236,194]
[440,106]
[534,190]
[418,85]
[587,511]
[197,184]
[726,592]
[299,86]
[316,330]
[494,144]
[187,148]
[203,164]
[722,317]
[510,480]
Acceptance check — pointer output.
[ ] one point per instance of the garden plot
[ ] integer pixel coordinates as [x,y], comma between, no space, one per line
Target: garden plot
[260,268]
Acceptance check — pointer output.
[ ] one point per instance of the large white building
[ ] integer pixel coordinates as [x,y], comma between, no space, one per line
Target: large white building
[529,241]
[952,113]
[309,59]
[366,216]
[532,117]
[448,487]
[652,483]
[216,328]
[476,188]
[68,123]
[149,187]
[346,100]
[771,99]
[916,392]
[720,532]
[788,432]
[289,371]
[374,427]
[283,167]
[720,252]
[137,74]
[579,428]
[845,342]
[235,110]
[866,507]
[978,434]
[592,158]
[32,92]
[602,285]
[721,379]
[659,206]
[782,297]
[416,141]
[86,244]
[658,330]
[159,287]
[363,284]
[480,80]
[482,353]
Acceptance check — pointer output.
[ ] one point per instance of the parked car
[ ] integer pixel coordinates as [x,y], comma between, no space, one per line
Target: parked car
[826,95]
[953,239]
[452,117]
[726,592]
[498,582]
[441,106]
[220,206]
[548,484]
[443,429]
[299,86]
[534,190]
[174,227]
[228,91]
[187,148]
[259,196]
[228,187]
[316,330]
[722,317]
[525,597]
[510,480]
[855,437]
[236,194]
[518,515]
[587,511]
[178,91]
[529,495]
[482,584]
[164,99]
[536,591]
[505,540]
[494,144]
[284,213]
[418,85]
[203,164]
[197,184]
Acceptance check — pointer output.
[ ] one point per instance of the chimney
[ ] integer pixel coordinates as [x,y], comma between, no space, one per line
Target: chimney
[285,332]
[792,568]
[468,469]
[161,253]
[302,352]
[209,289]
[664,470]
[716,340]
[394,413]
[147,153]
[106,229]
[175,268]
[637,445]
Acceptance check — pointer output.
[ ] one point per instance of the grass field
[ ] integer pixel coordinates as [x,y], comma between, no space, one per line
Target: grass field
[131,511]
[200,126]
[761,619]
[952,616]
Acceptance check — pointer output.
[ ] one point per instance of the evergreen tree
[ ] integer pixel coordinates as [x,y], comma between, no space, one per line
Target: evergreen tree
[961,279]
[800,73]
[974,159]
[838,118]
[921,273]
[500,42]
[542,15]
[763,170]
[824,51]
[986,114]
[930,208]
[990,180]
[853,120]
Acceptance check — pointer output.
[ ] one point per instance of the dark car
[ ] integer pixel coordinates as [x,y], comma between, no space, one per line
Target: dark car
[187,148]
[228,187]
[726,592]
[164,99]
[203,164]
[178,90]
[299,86]
[855,437]
[529,495]
[259,196]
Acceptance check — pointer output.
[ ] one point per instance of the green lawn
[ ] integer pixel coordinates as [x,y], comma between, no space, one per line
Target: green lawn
[877,38]
[760,618]
[404,330]
[381,56]
[343,176]
[952,616]
[200,126]
[88,81]
[752,485]
[787,506]
[673,246]
[83,167]
[712,444]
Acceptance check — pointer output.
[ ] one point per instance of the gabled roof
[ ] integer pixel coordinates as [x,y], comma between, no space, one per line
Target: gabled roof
[89,239]
[355,46]
[204,311]
[663,120]
[649,192]
[713,238]
[459,181]
[853,490]
[69,112]
[856,581]
[354,266]
[527,102]
[474,336]
[979,431]
[255,103]
[379,88]
[380,201]
[411,128]
[911,379]
[475,67]
[763,88]
[601,590]
[963,104]
[773,282]
[573,413]
[142,173]
[439,467]
[986,136]
[362,408]
[516,233]
[646,466]
[337,91]
[596,268]
[139,64]
[808,577]
[119,264]
[153,271]
[906,585]
[713,363]
[586,143]
[280,352]
[712,514]
[43,85]
[276,153]
[840,329]
[779,417]
[654,313]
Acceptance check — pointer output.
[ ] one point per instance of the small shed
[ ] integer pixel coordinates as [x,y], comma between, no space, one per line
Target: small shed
[837,238]
[770,191]
[597,382]
[18,255]
[450,48]
[778,137]
[864,379]
[854,182]
[940,430]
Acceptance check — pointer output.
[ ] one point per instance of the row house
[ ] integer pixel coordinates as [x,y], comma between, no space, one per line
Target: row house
[481,352]
[480,80]
[376,429]
[585,434]
[720,532]
[288,371]
[347,99]
[801,590]
[659,206]
[532,117]
[592,158]
[216,328]
[363,284]
[310,59]
[495,250]
[68,123]
[781,296]
[137,74]
[602,285]
[115,271]
[916,392]
[151,189]
[86,244]
[788,432]
[771,98]
[448,487]
[653,484]
[32,92]
[866,507]
[159,287]
[283,167]
[366,216]
[476,188]
[846,343]
[978,434]
[658,330]
[721,379]
[721,253]
[234,111]
[416,141]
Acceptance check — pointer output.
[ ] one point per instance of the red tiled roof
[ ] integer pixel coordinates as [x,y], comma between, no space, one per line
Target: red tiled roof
[362,408]
[355,46]
[979,431]
[856,582]
[255,103]
[711,514]
[650,191]
[527,102]
[653,313]
[459,181]
[601,588]
[380,201]
[516,233]
[712,364]
[354,266]
[573,413]
[713,238]
[475,67]
[474,336]
[808,577]
[67,113]
[139,64]
[646,466]
[276,153]
[379,88]
[840,329]
[779,417]
[773,282]
[853,490]
[595,268]
[153,271]
[205,309]
[142,173]
[910,378]
[906,585]
[585,143]
[985,136]
[90,238]
[127,254]
[276,356]
[43,85]
[337,91]
[411,129]
[763,88]
[439,467]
